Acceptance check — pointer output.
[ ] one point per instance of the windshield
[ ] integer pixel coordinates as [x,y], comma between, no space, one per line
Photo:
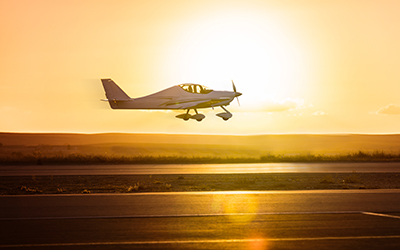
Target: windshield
[195,88]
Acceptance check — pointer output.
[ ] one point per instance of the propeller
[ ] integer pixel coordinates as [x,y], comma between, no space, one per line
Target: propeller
[237,94]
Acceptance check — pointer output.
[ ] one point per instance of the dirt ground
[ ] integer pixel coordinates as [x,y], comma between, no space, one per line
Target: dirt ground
[208,182]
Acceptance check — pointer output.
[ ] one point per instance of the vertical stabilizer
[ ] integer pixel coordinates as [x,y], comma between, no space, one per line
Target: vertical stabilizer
[113,91]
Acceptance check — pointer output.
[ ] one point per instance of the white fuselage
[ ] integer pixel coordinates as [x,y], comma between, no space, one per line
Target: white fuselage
[176,98]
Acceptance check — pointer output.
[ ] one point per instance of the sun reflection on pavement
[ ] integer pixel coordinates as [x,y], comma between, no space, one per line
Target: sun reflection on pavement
[233,203]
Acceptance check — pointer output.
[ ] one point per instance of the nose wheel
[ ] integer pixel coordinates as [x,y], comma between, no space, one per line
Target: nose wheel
[225,115]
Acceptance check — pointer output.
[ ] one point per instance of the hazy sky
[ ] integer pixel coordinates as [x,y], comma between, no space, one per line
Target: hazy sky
[303,66]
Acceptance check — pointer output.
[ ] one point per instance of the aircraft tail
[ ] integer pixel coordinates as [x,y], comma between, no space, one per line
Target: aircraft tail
[114,93]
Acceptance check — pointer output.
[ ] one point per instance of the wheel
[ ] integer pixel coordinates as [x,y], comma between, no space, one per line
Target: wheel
[186,119]
[199,120]
[225,119]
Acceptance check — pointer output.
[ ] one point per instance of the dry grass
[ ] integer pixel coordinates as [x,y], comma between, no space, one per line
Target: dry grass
[33,149]
[353,178]
[82,159]
[327,179]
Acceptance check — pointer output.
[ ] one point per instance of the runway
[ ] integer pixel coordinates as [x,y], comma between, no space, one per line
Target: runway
[393,167]
[349,219]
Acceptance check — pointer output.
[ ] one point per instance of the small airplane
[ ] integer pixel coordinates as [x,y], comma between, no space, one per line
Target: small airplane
[184,96]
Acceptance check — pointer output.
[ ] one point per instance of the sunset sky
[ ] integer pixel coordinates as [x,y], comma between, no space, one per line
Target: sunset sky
[303,66]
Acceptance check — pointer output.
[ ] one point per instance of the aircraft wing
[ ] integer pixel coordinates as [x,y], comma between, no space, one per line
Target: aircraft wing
[190,104]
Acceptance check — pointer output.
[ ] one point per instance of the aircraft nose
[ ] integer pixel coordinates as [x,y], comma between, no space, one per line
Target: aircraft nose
[237,94]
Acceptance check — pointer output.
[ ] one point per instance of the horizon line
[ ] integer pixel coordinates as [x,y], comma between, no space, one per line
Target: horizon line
[165,133]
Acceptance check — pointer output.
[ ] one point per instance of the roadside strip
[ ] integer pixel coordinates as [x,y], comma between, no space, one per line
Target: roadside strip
[196,215]
[201,241]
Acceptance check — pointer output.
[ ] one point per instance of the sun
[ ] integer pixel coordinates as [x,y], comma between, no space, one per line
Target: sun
[254,51]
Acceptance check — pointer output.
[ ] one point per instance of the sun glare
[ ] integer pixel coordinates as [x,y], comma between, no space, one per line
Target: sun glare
[257,54]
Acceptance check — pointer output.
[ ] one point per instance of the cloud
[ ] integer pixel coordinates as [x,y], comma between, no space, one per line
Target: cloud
[319,113]
[282,105]
[272,105]
[391,109]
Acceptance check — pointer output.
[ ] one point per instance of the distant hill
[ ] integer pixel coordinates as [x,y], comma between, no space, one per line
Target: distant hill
[288,143]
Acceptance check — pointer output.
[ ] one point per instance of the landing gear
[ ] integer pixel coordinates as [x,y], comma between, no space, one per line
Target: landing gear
[225,116]
[185,117]
[198,117]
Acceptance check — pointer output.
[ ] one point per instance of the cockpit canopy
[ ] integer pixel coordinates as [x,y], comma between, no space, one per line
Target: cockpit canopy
[195,88]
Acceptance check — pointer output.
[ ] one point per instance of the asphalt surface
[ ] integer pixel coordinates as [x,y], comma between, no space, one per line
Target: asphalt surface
[333,219]
[393,167]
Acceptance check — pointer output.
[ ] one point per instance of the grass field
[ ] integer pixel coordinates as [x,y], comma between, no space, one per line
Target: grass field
[58,149]
[81,159]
